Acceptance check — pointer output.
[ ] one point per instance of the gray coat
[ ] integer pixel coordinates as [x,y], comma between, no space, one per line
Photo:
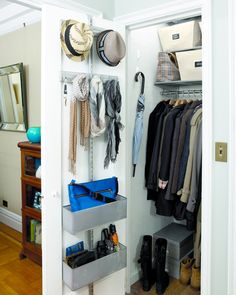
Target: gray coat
[196,174]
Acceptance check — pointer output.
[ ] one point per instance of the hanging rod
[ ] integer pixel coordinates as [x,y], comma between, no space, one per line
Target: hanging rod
[182,92]
[68,77]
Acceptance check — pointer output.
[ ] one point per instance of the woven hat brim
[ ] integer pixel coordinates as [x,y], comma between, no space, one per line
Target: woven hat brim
[64,25]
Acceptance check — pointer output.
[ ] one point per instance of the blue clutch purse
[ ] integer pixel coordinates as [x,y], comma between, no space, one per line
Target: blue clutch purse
[91,194]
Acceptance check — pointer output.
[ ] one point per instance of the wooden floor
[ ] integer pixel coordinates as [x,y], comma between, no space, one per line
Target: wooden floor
[17,277]
[175,288]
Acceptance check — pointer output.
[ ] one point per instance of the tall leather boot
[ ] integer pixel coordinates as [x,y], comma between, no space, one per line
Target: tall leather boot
[146,263]
[162,277]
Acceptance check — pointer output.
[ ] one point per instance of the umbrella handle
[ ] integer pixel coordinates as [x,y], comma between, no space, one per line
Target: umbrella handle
[134,168]
[143,80]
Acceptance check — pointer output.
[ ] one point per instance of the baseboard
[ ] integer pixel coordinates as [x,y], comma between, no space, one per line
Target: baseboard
[11,219]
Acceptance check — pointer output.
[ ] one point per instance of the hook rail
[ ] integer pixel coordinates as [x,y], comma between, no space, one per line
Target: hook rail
[68,77]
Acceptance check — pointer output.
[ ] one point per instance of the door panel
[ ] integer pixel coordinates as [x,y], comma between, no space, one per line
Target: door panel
[55,135]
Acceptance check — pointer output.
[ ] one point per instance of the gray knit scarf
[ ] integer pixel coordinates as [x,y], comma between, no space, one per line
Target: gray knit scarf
[113,107]
[97,107]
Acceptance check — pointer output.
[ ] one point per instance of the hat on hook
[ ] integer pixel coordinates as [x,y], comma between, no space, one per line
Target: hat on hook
[76,39]
[110,47]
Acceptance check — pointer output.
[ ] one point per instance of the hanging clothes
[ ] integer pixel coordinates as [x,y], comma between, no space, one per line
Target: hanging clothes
[155,126]
[182,145]
[173,159]
[175,148]
[185,191]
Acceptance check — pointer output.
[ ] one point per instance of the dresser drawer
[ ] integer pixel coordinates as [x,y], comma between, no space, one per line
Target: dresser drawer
[179,240]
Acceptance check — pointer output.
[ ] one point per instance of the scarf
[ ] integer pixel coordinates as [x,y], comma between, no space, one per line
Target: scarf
[73,136]
[97,107]
[113,107]
[81,93]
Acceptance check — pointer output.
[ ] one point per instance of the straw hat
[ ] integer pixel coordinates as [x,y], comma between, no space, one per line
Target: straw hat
[76,39]
[110,47]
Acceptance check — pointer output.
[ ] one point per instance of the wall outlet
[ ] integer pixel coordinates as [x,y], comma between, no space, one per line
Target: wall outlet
[4,203]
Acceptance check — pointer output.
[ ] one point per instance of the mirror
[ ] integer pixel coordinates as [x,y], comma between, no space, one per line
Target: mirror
[13,110]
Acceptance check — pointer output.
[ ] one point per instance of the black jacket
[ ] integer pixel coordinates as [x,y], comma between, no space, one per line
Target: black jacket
[152,125]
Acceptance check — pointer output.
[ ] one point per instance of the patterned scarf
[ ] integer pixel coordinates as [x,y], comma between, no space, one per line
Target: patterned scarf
[113,107]
[97,107]
[81,93]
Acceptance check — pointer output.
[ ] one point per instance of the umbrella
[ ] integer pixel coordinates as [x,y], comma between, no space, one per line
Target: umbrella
[138,127]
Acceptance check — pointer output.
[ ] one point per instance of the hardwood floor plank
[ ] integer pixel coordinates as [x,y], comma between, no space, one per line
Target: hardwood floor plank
[10,232]
[17,277]
[7,290]
[175,288]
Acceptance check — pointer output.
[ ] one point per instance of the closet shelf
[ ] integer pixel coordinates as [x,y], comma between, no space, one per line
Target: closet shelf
[88,273]
[186,49]
[179,83]
[75,222]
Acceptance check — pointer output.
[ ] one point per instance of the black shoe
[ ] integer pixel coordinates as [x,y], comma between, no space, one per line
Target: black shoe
[162,277]
[146,263]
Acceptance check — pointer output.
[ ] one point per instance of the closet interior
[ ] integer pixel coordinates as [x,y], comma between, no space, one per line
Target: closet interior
[164,211]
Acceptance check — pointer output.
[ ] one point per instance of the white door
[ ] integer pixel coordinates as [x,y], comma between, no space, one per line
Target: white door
[55,130]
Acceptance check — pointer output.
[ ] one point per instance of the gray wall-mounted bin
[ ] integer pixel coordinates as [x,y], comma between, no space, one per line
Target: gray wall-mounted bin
[74,222]
[95,270]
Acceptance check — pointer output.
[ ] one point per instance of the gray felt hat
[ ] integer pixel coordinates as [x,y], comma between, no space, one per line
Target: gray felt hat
[110,47]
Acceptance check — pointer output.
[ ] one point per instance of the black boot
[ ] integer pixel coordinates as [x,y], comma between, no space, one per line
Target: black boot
[162,277]
[146,263]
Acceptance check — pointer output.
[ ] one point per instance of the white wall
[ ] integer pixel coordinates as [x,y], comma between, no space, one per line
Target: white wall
[124,7]
[142,218]
[22,45]
[106,6]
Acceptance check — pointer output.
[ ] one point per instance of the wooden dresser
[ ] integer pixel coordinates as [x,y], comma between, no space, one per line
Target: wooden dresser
[31,201]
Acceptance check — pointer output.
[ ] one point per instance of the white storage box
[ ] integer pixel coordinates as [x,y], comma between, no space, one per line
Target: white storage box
[181,36]
[190,64]
[200,25]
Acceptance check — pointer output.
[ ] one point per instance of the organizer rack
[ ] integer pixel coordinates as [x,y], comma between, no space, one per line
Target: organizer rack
[68,77]
[86,220]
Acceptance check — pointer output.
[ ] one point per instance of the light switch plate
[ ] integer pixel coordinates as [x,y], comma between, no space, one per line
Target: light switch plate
[221,151]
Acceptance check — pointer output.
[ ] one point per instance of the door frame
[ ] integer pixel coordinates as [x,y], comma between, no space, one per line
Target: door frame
[148,17]
[160,14]
[231,151]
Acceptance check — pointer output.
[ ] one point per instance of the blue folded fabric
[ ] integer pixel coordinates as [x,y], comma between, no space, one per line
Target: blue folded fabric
[91,194]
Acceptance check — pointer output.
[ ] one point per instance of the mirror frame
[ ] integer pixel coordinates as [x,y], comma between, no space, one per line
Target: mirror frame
[23,93]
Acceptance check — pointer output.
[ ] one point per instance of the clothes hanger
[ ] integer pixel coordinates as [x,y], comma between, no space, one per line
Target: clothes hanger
[172,102]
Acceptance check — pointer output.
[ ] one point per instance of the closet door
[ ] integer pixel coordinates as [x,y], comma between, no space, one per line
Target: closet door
[55,130]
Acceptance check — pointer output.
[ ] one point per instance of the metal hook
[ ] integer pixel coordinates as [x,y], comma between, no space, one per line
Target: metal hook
[143,80]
